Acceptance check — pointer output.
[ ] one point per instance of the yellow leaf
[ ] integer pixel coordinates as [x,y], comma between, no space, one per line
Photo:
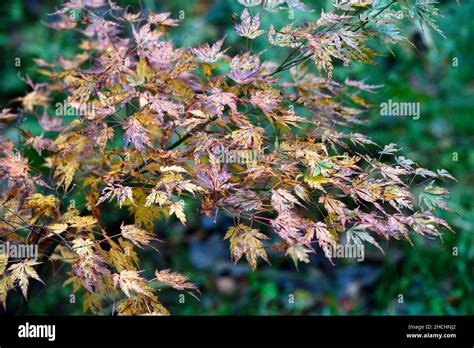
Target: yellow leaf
[316,181]
[139,305]
[199,113]
[129,281]
[3,262]
[41,202]
[3,291]
[136,235]
[360,101]
[20,274]
[66,173]
[43,205]
[57,229]
[82,221]
[332,205]
[246,240]
[297,253]
[177,208]
[156,196]
[144,71]
[144,215]
[176,281]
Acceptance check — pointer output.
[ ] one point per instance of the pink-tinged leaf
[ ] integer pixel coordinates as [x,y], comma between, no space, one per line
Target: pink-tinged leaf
[136,134]
[358,236]
[283,201]
[40,143]
[163,19]
[249,26]
[54,124]
[210,54]
[118,191]
[214,178]
[246,241]
[362,86]
[389,149]
[250,3]
[244,68]
[443,173]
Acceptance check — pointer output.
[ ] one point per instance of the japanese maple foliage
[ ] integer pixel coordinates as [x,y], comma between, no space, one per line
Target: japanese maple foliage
[311,184]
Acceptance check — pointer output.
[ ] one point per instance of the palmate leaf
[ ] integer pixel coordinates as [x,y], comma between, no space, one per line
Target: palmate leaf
[298,253]
[390,32]
[3,291]
[139,305]
[89,266]
[122,256]
[357,235]
[3,280]
[327,237]
[177,208]
[81,221]
[390,149]
[136,134]
[332,205]
[250,3]
[145,215]
[249,26]
[246,241]
[122,193]
[443,173]
[20,273]
[136,235]
[426,12]
[283,200]
[177,281]
[3,263]
[43,205]
[276,5]
[284,37]
[433,197]
[130,282]
[323,168]
[210,54]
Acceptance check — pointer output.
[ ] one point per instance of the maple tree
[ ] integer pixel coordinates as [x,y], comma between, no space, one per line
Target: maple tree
[313,184]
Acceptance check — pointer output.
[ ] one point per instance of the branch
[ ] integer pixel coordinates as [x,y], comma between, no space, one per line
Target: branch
[190,133]
[285,65]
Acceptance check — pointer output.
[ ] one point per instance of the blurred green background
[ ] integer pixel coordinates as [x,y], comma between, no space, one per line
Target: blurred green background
[431,279]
